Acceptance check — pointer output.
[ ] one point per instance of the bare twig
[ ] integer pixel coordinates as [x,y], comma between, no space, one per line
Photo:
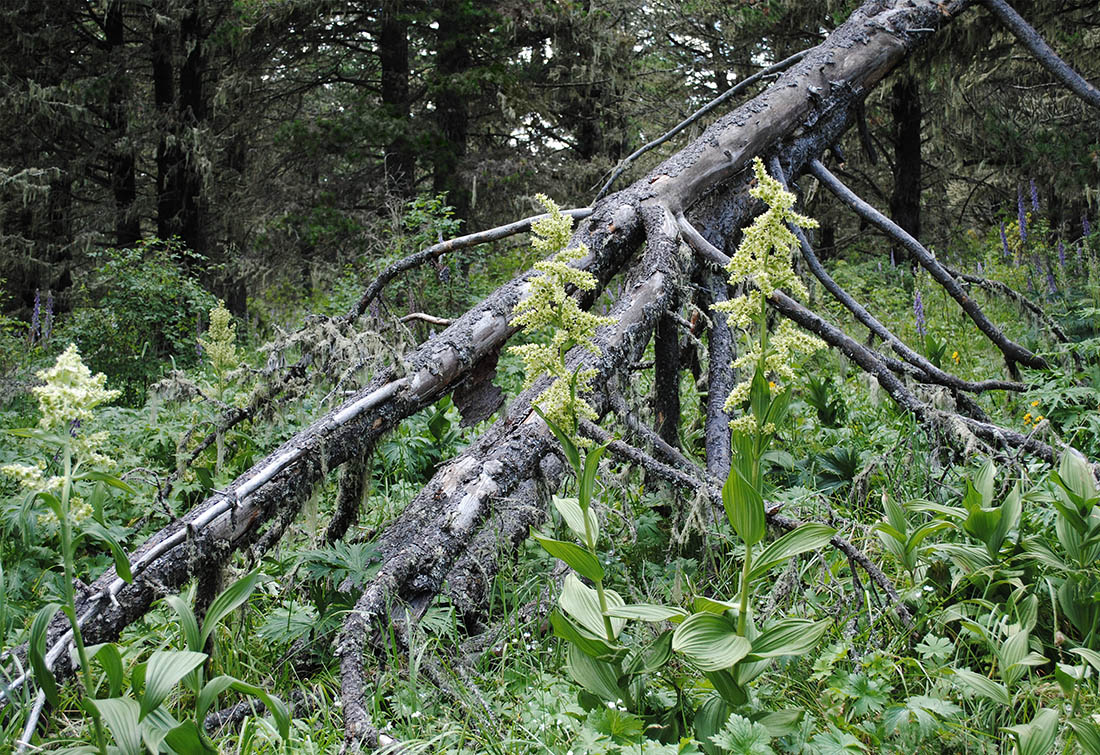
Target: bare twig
[1013,352]
[1043,53]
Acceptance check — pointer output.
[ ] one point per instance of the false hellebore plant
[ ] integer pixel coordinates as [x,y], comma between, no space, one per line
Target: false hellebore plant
[718,638]
[74,489]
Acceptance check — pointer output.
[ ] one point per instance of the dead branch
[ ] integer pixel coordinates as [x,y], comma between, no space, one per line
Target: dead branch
[1037,46]
[716,102]
[926,371]
[1012,351]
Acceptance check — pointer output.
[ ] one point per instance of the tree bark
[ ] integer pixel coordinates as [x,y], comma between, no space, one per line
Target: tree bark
[905,199]
[393,55]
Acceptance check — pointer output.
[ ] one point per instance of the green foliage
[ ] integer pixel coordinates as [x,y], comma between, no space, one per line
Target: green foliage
[137,309]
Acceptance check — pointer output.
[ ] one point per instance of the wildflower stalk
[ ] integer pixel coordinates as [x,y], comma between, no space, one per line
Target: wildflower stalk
[764,260]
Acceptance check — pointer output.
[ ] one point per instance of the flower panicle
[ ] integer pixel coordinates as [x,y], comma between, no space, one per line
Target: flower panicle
[764,259]
[549,307]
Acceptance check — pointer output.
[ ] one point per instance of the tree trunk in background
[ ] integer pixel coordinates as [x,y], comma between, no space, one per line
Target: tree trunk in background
[393,54]
[181,206]
[905,200]
[453,60]
[121,155]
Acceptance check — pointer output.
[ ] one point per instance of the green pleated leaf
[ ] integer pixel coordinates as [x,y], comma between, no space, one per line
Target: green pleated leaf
[1089,655]
[1076,476]
[228,601]
[983,686]
[121,716]
[808,537]
[189,625]
[574,517]
[598,677]
[578,559]
[652,657]
[1088,735]
[97,531]
[648,612]
[572,455]
[594,646]
[219,684]
[110,659]
[744,507]
[1036,737]
[111,480]
[163,671]
[586,484]
[188,738]
[702,604]
[582,603]
[36,650]
[710,641]
[788,637]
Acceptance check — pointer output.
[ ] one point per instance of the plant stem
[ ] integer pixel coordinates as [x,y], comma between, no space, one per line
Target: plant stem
[67,558]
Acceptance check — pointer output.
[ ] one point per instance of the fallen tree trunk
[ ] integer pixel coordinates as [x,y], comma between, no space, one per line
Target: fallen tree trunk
[481,504]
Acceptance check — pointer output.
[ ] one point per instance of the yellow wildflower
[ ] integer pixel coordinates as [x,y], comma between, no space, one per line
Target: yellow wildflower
[1035,402]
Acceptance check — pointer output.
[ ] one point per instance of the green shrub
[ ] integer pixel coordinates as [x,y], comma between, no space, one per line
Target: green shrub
[138,310]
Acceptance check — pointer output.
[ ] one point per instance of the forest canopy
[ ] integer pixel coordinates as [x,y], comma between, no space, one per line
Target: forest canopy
[664,377]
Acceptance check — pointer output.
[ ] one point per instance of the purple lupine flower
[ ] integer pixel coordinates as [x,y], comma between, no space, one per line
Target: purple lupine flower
[1021,215]
[1085,227]
[981,270]
[1061,255]
[1004,241]
[893,262]
[47,327]
[1050,283]
[880,266]
[918,314]
[1034,196]
[36,316]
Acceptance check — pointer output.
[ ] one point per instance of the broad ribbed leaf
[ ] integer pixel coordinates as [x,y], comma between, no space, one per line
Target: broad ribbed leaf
[808,537]
[1036,737]
[188,738]
[598,677]
[1089,655]
[587,482]
[111,480]
[984,481]
[788,637]
[710,641]
[121,716]
[1076,476]
[594,646]
[652,657]
[983,686]
[571,454]
[744,507]
[648,612]
[1088,735]
[111,660]
[703,604]
[189,625]
[583,604]
[163,672]
[574,517]
[36,649]
[97,531]
[228,601]
[580,560]
[220,684]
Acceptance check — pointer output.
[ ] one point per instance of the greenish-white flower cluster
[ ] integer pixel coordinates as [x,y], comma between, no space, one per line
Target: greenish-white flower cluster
[764,260]
[220,343]
[550,307]
[66,400]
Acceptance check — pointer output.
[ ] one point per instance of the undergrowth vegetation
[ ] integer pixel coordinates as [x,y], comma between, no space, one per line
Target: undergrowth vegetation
[678,626]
